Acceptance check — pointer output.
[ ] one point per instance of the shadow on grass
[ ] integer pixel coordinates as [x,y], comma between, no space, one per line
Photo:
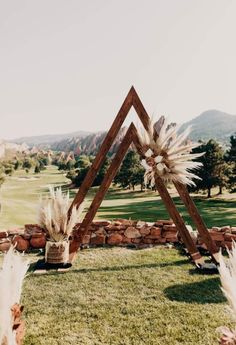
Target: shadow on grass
[214,212]
[205,291]
[122,268]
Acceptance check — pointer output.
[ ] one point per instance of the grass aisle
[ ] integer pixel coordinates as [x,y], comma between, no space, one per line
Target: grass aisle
[122,296]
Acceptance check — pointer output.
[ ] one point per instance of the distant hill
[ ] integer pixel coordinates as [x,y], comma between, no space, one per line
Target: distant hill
[47,140]
[10,150]
[88,144]
[212,124]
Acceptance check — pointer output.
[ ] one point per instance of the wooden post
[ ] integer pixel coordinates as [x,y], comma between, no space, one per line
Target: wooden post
[131,99]
[107,180]
[178,220]
[197,219]
[105,147]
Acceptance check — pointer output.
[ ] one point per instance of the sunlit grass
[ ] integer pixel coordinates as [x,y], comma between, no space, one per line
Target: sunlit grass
[123,296]
[20,199]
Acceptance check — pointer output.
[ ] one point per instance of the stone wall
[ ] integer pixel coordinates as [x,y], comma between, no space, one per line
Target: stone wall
[120,232]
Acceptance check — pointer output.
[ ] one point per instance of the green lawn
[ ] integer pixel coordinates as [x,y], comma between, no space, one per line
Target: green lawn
[123,296]
[20,197]
[119,296]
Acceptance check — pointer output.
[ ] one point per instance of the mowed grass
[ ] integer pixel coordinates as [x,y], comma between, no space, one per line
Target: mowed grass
[20,200]
[115,295]
[123,296]
[20,193]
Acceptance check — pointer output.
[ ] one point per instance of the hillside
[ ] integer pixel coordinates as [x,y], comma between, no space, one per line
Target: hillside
[212,124]
[88,144]
[47,140]
[9,150]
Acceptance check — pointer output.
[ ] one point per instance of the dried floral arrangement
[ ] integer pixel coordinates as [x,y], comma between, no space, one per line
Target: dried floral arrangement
[53,215]
[168,154]
[228,280]
[12,274]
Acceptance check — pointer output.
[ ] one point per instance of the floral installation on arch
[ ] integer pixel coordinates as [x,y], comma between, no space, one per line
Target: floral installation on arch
[168,154]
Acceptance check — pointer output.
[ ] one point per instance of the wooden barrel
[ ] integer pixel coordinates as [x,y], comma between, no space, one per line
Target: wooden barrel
[57,252]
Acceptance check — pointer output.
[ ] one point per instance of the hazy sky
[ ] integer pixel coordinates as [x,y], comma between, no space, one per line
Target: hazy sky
[66,65]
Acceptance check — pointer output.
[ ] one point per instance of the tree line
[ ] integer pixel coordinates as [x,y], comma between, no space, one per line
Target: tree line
[26,162]
[218,169]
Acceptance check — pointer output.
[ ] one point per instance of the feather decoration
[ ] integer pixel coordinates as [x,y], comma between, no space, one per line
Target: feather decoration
[168,153]
[12,274]
[227,272]
[53,215]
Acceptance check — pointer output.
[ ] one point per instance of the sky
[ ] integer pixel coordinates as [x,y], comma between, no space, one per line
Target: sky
[68,65]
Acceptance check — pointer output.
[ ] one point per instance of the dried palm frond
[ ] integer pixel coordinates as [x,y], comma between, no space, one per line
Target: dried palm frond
[168,154]
[228,280]
[12,274]
[53,215]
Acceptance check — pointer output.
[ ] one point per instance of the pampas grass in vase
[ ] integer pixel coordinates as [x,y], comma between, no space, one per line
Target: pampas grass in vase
[12,274]
[227,271]
[53,217]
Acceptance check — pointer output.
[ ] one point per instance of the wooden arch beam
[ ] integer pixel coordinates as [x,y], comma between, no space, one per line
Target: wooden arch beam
[132,99]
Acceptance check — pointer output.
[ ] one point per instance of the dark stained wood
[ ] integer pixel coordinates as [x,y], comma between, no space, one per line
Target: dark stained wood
[198,221]
[140,110]
[178,220]
[110,174]
[133,99]
[105,147]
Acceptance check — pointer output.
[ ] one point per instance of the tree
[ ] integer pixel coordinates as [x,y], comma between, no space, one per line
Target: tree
[37,169]
[17,164]
[231,159]
[70,165]
[83,161]
[102,172]
[131,172]
[27,164]
[213,170]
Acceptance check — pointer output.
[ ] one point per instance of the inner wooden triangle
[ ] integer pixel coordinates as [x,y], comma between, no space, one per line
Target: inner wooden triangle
[131,136]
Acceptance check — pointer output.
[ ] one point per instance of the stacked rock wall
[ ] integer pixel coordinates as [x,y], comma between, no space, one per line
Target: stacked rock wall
[120,232]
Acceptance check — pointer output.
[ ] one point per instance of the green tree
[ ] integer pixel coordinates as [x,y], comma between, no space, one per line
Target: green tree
[102,172]
[37,169]
[131,172]
[70,165]
[231,159]
[27,164]
[213,170]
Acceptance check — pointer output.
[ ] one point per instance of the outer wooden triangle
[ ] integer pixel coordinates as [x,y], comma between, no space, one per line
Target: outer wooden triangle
[131,136]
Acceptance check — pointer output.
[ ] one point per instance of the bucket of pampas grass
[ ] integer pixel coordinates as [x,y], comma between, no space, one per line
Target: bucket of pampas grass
[53,217]
[12,274]
[227,270]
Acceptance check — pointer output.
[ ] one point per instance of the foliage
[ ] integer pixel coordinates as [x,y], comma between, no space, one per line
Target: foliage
[131,172]
[37,169]
[77,176]
[213,170]
[231,159]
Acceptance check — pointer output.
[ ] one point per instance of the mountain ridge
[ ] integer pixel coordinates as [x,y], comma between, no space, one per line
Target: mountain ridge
[210,124]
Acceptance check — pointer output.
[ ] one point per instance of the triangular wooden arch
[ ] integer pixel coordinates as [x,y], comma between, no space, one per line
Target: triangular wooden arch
[131,136]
